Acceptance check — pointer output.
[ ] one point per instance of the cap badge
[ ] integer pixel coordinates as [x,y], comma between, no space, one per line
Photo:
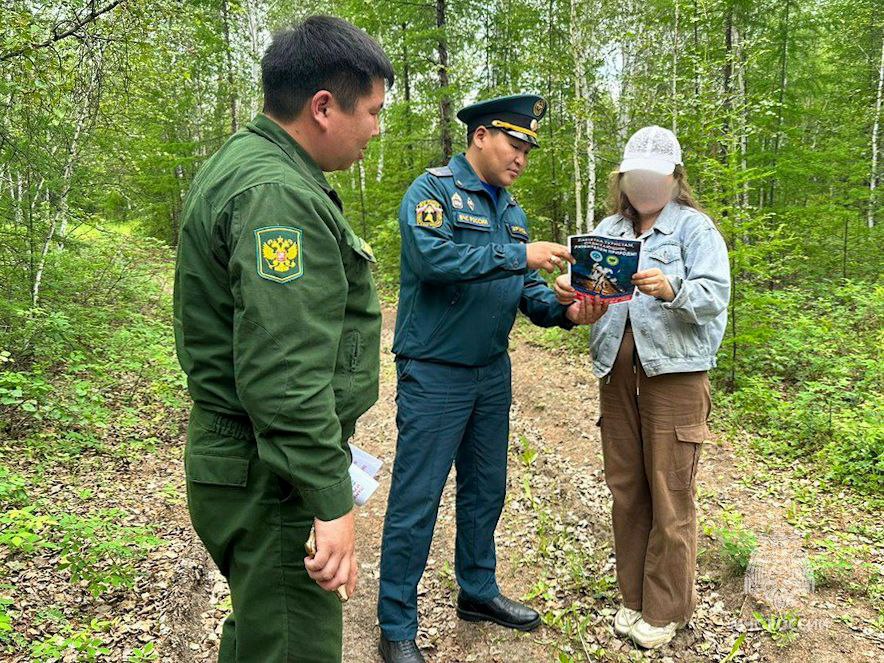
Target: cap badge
[539,107]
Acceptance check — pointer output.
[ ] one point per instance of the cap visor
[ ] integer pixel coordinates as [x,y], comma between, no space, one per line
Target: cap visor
[654,165]
[518,134]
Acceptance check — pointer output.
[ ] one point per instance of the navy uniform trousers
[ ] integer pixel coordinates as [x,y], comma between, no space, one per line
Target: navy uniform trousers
[447,414]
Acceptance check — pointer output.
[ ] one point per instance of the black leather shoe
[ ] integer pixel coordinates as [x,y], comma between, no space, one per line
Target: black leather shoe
[399,651]
[500,610]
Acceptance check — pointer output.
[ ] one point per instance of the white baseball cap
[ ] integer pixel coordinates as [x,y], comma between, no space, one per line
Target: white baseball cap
[651,148]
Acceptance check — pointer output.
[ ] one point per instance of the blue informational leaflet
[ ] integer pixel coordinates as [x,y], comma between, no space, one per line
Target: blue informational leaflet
[604,266]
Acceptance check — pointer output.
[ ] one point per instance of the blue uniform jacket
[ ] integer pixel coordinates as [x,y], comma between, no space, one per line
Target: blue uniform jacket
[464,270]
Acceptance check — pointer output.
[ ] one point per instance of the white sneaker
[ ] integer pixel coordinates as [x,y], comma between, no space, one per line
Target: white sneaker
[624,619]
[651,637]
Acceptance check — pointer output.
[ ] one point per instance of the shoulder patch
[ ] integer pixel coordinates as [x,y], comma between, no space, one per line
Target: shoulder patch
[278,252]
[428,214]
[518,231]
[440,171]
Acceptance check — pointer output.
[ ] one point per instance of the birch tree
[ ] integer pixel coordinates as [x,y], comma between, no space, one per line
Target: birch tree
[876,125]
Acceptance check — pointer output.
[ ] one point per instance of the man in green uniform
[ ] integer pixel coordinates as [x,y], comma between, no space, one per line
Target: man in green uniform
[277,325]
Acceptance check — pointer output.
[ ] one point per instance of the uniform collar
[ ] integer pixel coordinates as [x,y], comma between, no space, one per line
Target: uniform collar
[266,127]
[665,223]
[465,178]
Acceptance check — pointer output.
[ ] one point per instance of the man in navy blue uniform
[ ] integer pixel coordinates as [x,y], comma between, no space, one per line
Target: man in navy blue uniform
[468,266]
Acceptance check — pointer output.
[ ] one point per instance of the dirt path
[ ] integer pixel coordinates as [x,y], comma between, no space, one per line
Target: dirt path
[554,543]
[554,546]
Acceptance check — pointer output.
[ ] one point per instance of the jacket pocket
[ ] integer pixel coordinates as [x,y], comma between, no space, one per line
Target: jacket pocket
[452,302]
[216,470]
[686,455]
[667,257]
[354,350]
[666,253]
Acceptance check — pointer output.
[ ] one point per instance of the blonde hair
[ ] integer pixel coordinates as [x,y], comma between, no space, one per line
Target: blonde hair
[618,203]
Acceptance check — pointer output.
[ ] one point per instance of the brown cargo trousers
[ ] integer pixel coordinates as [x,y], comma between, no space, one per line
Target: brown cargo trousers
[652,430]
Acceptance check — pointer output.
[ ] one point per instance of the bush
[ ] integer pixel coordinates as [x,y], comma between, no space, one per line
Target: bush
[815,386]
[737,542]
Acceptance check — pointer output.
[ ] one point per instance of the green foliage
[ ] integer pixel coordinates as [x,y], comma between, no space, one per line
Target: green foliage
[101,552]
[95,549]
[783,627]
[5,618]
[142,654]
[839,564]
[87,644]
[815,385]
[24,530]
[736,540]
[12,488]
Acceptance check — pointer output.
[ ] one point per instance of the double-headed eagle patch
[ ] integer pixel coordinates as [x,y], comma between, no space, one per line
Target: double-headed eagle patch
[429,214]
[279,253]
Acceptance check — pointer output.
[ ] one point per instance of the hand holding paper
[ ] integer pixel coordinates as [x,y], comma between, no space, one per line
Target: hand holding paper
[363,469]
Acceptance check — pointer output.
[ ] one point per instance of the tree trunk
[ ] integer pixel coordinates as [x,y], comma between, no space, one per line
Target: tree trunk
[778,134]
[579,82]
[589,220]
[741,110]
[445,101]
[228,57]
[362,197]
[873,173]
[697,77]
[578,137]
[61,213]
[628,52]
[59,219]
[257,17]
[556,212]
[89,104]
[406,85]
[380,172]
[674,86]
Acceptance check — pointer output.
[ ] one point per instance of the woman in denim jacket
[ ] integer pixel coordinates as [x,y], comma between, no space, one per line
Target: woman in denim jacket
[652,354]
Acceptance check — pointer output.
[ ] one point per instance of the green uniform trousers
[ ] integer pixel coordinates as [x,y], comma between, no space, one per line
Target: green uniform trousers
[254,526]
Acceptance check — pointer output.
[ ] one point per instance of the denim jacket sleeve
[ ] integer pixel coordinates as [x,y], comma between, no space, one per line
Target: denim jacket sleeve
[704,291]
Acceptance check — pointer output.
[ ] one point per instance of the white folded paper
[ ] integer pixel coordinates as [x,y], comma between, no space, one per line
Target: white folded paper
[363,469]
[365,461]
[363,485]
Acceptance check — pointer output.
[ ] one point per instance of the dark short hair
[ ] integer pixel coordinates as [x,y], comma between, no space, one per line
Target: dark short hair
[320,53]
[472,133]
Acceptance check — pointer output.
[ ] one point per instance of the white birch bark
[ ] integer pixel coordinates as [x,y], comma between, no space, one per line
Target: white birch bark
[380,173]
[742,109]
[59,219]
[873,174]
[257,17]
[18,197]
[577,56]
[87,106]
[584,92]
[589,221]
[628,49]
[674,99]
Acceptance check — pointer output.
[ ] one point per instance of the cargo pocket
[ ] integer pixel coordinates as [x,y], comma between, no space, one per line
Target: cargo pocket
[686,455]
[216,470]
